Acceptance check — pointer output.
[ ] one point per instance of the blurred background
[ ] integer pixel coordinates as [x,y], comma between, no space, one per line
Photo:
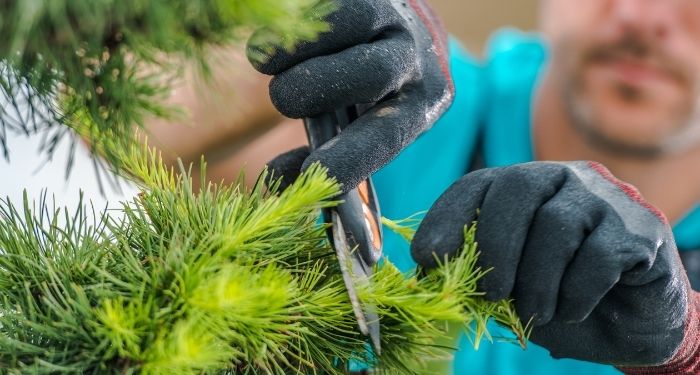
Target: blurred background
[473,20]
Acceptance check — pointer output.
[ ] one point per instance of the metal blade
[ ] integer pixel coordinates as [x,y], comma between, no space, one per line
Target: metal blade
[353,269]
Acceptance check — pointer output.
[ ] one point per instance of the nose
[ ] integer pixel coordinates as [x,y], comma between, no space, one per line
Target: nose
[646,17]
[627,11]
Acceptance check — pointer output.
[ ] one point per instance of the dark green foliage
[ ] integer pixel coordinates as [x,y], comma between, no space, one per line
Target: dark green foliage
[103,66]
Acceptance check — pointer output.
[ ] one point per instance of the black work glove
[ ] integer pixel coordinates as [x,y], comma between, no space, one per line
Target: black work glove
[389,52]
[581,252]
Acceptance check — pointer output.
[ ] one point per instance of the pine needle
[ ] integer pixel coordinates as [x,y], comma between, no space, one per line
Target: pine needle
[220,280]
[102,67]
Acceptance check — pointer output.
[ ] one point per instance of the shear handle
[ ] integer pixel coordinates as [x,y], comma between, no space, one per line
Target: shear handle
[359,210]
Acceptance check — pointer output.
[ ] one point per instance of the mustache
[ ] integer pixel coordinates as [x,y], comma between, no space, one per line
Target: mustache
[634,47]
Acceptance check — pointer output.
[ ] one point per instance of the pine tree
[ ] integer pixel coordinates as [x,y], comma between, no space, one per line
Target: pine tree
[102,66]
[218,280]
[221,280]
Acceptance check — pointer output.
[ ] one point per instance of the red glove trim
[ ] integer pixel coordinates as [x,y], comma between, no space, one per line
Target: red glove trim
[686,361]
[432,22]
[628,189]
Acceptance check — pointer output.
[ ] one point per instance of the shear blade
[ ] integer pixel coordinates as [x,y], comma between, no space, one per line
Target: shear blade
[352,268]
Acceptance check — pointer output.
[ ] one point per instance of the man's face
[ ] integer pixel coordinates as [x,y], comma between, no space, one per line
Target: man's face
[629,71]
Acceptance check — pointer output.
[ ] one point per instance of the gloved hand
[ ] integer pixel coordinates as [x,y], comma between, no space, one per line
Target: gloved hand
[389,52]
[582,253]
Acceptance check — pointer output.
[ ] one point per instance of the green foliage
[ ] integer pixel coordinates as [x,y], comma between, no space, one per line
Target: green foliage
[221,280]
[102,66]
[218,280]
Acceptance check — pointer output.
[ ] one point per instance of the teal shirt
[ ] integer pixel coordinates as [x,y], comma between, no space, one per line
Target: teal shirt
[491,112]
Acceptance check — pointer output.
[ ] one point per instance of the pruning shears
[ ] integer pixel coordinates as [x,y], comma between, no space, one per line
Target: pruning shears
[356,227]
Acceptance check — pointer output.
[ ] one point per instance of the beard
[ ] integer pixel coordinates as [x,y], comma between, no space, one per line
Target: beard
[676,132]
[587,122]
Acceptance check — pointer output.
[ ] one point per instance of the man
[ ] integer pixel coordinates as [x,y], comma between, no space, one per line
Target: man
[592,263]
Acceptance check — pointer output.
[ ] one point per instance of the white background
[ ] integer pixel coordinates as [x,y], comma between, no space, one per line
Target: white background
[29,169]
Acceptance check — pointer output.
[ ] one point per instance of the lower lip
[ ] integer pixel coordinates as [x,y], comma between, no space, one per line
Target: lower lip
[635,73]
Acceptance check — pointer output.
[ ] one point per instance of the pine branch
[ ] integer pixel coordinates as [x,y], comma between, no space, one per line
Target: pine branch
[220,280]
[102,67]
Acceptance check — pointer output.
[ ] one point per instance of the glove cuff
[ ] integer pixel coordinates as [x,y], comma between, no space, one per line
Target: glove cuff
[686,361]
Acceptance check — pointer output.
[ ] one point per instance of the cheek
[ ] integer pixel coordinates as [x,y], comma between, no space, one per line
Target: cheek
[563,18]
[681,36]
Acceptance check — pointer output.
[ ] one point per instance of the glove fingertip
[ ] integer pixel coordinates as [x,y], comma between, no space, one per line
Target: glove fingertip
[571,315]
[533,313]
[286,99]
[430,250]
[493,287]
[286,168]
[261,54]
[342,172]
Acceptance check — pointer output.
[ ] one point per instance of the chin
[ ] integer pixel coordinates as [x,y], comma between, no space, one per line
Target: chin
[626,139]
[638,132]
[637,137]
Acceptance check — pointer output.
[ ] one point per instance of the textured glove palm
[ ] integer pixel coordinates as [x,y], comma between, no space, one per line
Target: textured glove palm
[389,52]
[580,252]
